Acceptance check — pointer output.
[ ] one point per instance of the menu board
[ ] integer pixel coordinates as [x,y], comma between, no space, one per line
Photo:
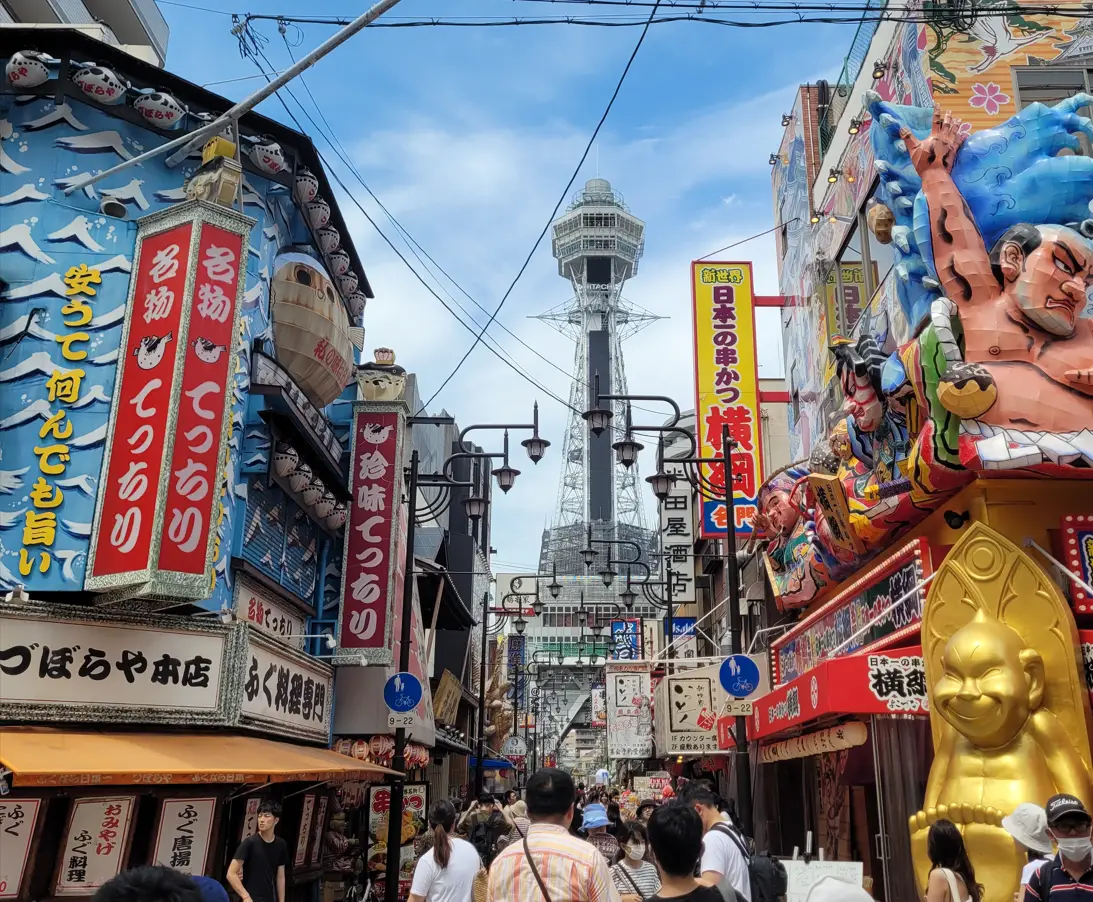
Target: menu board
[185,829]
[415,802]
[802,876]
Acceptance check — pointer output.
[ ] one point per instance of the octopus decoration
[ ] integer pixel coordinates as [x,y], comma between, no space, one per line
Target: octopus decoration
[994,253]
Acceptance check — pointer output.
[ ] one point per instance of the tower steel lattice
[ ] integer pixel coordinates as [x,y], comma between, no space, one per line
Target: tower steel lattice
[597,243]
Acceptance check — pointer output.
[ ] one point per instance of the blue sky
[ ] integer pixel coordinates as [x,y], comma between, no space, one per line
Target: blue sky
[468,137]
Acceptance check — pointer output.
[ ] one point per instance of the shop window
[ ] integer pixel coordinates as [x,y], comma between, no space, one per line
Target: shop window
[1050,84]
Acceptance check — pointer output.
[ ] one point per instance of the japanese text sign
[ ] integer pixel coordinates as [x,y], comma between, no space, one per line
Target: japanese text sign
[629,711]
[686,708]
[890,683]
[284,690]
[159,674]
[863,616]
[677,534]
[184,834]
[256,606]
[727,388]
[369,586]
[95,842]
[17,820]
[626,639]
[153,531]
[415,810]
[307,813]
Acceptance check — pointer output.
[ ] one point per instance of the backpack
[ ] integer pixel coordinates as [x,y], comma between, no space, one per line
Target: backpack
[483,841]
[767,875]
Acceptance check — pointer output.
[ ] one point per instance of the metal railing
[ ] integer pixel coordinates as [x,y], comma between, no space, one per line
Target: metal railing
[852,66]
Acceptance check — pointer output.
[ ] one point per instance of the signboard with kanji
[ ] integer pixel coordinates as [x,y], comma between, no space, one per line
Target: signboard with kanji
[96,840]
[677,534]
[727,388]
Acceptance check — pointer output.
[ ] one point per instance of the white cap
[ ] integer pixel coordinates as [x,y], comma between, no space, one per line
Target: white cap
[1028,825]
[832,889]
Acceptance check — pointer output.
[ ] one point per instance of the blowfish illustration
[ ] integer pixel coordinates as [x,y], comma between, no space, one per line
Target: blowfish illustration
[207,351]
[151,349]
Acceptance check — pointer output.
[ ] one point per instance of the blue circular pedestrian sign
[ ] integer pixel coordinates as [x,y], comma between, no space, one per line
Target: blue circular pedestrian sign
[739,676]
[402,693]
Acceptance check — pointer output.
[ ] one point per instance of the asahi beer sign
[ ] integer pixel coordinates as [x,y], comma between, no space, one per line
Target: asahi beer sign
[184,834]
[160,484]
[372,534]
[286,691]
[149,673]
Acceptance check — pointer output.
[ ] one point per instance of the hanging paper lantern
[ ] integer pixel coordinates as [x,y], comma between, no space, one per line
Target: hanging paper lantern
[343,746]
[101,85]
[324,507]
[361,751]
[383,747]
[339,263]
[357,302]
[285,459]
[347,283]
[160,109]
[300,478]
[329,239]
[337,518]
[313,492]
[305,187]
[268,156]
[27,69]
[318,212]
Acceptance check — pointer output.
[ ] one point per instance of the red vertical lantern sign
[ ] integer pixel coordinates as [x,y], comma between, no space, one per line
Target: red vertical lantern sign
[370,565]
[169,427]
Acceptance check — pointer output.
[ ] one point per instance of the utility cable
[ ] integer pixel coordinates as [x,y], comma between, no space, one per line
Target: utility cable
[561,199]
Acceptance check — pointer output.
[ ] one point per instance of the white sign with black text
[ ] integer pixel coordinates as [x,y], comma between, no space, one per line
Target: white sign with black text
[96,839]
[17,820]
[185,829]
[63,662]
[677,534]
[258,606]
[282,690]
[629,711]
[304,833]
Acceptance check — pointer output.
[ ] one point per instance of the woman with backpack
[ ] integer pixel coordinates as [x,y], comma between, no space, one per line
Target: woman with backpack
[446,872]
[634,877]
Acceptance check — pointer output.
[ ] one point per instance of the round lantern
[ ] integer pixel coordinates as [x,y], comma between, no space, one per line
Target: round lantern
[160,109]
[347,283]
[285,459]
[357,302]
[361,751]
[337,518]
[268,157]
[343,746]
[299,480]
[318,212]
[330,239]
[339,262]
[324,507]
[305,186]
[313,492]
[27,69]
[101,85]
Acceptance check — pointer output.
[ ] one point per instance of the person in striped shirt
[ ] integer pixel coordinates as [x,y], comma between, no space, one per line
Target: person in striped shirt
[634,878]
[571,869]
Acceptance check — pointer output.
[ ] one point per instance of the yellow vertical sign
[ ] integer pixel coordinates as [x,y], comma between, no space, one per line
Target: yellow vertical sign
[727,388]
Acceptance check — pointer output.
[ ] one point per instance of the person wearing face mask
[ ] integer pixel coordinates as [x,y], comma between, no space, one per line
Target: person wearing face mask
[635,878]
[1068,877]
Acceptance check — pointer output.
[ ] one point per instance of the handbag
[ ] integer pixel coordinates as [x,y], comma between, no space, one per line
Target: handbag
[622,870]
[535,871]
[954,887]
[480,886]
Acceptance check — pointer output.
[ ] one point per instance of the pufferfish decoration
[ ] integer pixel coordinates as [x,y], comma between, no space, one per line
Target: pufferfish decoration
[268,156]
[27,69]
[160,109]
[100,84]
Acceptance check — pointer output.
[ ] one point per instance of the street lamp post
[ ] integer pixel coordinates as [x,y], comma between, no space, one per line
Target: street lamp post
[476,507]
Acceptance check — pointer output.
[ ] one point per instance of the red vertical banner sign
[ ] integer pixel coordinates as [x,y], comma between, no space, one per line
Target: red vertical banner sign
[169,427]
[193,484]
[371,561]
[130,490]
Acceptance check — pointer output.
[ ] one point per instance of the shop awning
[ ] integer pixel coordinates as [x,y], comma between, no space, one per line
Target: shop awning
[39,757]
[491,763]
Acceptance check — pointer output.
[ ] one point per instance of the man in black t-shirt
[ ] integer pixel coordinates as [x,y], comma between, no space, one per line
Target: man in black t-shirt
[675,833]
[257,871]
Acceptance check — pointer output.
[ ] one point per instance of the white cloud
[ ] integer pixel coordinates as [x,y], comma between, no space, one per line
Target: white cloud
[476,194]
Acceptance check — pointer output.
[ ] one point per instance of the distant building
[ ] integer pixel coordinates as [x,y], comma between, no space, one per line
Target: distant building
[135,26]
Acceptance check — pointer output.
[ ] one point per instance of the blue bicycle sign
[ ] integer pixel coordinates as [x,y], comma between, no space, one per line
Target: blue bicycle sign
[739,676]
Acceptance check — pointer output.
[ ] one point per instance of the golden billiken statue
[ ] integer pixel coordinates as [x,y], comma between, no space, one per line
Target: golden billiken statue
[1008,705]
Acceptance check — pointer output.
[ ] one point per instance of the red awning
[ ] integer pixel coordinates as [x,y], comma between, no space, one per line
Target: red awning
[892,682]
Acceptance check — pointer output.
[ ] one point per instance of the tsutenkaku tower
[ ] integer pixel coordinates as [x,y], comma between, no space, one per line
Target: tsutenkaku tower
[597,244]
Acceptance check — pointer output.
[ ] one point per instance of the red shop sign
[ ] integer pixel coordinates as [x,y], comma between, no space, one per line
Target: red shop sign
[890,683]
[153,532]
[370,558]
[193,485]
[130,492]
